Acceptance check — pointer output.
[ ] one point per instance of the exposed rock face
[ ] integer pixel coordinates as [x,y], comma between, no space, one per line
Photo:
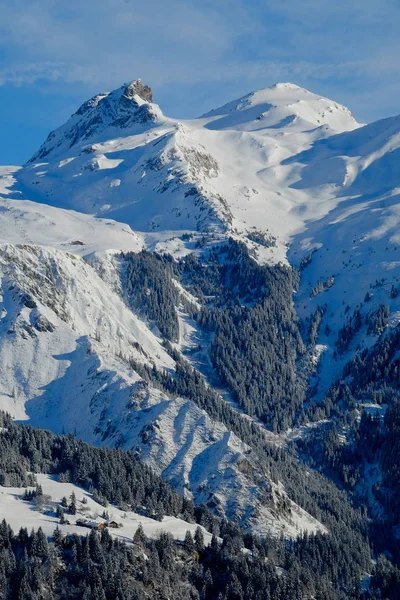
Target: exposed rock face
[140,89]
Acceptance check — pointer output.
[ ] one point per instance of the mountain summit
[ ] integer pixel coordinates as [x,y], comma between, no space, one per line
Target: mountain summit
[282,106]
[138,88]
[112,112]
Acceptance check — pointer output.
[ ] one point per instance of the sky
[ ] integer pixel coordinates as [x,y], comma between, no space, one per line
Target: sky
[196,55]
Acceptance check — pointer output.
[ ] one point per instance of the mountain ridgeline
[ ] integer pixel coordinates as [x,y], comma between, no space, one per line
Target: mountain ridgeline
[210,309]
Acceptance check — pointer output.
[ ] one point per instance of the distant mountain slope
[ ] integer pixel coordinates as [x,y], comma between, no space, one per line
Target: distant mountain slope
[283,106]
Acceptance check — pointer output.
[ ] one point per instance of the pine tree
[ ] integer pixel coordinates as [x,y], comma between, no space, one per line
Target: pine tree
[188,543]
[5,538]
[40,546]
[208,585]
[214,543]
[72,506]
[96,552]
[57,536]
[199,539]
[139,536]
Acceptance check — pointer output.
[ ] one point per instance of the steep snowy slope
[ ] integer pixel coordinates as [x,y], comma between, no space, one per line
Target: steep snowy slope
[283,170]
[356,245]
[224,172]
[66,342]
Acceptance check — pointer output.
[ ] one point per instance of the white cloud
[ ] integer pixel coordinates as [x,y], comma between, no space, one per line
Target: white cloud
[250,44]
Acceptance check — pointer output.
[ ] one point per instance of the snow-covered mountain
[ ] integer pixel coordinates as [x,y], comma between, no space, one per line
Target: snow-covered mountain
[123,109]
[224,172]
[282,162]
[66,339]
[289,173]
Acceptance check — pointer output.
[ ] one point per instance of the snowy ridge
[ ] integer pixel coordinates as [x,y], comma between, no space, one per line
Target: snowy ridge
[283,106]
[125,108]
[289,173]
[224,173]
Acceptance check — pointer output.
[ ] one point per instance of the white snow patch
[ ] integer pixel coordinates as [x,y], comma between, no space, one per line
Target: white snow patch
[19,513]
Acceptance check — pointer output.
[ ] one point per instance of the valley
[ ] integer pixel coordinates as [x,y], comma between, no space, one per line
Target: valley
[219,297]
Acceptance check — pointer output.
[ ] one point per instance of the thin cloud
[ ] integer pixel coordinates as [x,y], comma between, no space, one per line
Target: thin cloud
[100,44]
[269,70]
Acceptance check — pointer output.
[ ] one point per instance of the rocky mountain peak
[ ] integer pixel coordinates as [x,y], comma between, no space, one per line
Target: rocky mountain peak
[138,88]
[128,106]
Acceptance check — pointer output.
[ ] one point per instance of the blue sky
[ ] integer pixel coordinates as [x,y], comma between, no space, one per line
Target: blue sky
[196,55]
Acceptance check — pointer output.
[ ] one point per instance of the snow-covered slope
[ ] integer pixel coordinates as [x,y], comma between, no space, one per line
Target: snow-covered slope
[66,339]
[25,222]
[282,169]
[357,243]
[21,513]
[226,172]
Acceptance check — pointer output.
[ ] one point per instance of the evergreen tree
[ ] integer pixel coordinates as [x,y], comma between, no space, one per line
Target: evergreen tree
[57,536]
[199,539]
[72,505]
[39,545]
[139,537]
[188,543]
